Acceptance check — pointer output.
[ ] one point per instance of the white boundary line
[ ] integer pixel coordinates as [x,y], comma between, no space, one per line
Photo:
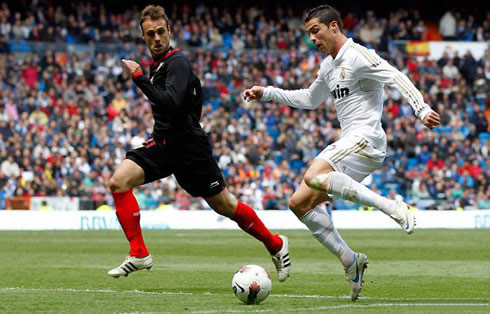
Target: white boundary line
[251,310]
[94,291]
[306,296]
[344,306]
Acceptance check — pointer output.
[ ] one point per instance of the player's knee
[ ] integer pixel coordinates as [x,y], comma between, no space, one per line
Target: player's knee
[113,184]
[309,176]
[118,184]
[318,181]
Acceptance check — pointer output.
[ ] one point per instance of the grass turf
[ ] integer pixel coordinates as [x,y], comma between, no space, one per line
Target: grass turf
[432,271]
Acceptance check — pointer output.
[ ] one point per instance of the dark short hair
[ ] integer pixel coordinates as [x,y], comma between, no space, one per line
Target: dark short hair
[325,14]
[154,12]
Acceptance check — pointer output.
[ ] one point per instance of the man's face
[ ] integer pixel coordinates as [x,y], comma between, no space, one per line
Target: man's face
[322,35]
[156,35]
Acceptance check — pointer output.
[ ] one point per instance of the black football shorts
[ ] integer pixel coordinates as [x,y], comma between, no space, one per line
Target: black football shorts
[189,158]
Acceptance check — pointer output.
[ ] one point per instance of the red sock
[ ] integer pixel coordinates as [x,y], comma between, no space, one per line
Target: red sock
[247,219]
[128,213]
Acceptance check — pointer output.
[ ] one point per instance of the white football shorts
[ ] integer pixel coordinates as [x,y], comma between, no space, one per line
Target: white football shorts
[354,156]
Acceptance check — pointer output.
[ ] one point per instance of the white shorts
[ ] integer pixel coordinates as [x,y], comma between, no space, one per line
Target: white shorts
[354,156]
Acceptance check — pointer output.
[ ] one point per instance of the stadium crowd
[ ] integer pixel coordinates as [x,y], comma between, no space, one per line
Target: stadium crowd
[66,119]
[214,25]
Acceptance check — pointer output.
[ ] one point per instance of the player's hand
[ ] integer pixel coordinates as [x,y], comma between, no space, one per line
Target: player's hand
[254,93]
[432,120]
[131,66]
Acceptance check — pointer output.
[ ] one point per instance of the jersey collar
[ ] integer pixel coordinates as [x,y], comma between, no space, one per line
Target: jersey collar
[168,54]
[342,50]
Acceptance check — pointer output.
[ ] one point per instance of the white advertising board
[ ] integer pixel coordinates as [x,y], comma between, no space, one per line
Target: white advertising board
[55,203]
[437,48]
[177,219]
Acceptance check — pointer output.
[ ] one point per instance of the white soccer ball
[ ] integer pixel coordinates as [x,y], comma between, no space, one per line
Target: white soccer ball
[251,284]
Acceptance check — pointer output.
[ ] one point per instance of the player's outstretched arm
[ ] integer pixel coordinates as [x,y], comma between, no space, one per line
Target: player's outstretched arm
[372,66]
[308,98]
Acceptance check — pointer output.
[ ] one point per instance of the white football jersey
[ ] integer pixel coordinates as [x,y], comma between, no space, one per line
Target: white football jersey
[355,79]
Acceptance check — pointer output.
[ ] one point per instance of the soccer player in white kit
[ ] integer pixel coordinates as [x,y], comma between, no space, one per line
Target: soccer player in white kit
[354,76]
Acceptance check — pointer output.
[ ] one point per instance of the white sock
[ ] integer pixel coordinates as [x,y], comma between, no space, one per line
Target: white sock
[341,185]
[322,228]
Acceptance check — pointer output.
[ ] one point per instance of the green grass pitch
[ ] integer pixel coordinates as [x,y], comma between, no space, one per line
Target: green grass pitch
[431,271]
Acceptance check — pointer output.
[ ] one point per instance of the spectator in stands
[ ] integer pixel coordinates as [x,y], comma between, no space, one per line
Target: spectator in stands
[4,116]
[450,71]
[9,167]
[447,26]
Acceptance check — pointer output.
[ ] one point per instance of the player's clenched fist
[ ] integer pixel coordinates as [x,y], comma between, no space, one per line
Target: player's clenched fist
[254,93]
[131,66]
[432,120]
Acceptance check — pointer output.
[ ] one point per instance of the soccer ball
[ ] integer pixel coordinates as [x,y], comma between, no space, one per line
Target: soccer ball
[251,284]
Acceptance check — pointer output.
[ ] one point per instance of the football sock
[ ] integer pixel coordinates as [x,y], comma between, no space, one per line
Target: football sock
[128,213]
[341,185]
[248,221]
[321,226]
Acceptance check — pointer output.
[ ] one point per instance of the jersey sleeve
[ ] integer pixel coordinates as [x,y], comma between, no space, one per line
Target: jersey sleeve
[308,98]
[371,66]
[170,96]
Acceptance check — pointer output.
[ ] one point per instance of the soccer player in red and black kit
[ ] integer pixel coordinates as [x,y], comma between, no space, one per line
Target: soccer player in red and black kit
[178,146]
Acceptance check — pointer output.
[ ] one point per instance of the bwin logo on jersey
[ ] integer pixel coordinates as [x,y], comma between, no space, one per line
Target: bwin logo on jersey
[338,92]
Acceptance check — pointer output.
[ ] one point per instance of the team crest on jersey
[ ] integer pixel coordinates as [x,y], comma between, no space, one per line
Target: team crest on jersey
[342,73]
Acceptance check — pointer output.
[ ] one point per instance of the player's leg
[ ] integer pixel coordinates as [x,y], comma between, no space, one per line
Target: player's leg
[142,165]
[199,174]
[225,204]
[357,159]
[321,225]
[305,204]
[127,176]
